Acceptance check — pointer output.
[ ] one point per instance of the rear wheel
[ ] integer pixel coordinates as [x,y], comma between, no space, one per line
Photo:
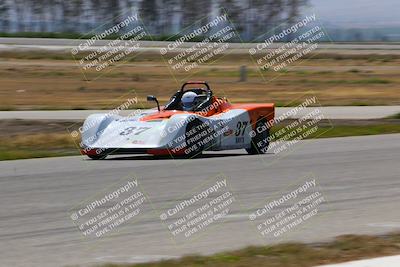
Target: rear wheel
[260,140]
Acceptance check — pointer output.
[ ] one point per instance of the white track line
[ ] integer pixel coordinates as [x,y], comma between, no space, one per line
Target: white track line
[391,261]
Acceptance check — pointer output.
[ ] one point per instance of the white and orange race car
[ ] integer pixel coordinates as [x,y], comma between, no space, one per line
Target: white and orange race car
[210,123]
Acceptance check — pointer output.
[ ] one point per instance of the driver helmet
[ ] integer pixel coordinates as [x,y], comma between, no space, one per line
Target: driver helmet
[188,101]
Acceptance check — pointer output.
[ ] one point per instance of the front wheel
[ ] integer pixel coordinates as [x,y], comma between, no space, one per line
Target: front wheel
[260,139]
[197,138]
[97,156]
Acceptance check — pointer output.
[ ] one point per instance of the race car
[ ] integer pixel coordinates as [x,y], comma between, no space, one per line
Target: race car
[193,121]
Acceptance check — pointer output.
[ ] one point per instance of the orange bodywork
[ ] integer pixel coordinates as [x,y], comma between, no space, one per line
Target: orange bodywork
[218,105]
[163,114]
[221,105]
[258,111]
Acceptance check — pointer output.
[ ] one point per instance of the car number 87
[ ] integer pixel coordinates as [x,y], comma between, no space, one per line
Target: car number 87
[134,130]
[241,128]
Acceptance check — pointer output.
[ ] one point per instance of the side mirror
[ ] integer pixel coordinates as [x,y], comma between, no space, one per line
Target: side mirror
[153,98]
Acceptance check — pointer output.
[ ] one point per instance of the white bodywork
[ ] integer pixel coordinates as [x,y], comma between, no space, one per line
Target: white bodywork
[103,131]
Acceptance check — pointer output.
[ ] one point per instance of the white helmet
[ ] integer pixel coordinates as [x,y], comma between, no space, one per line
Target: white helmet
[188,100]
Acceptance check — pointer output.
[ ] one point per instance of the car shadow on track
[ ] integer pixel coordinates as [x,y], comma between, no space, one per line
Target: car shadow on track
[203,156]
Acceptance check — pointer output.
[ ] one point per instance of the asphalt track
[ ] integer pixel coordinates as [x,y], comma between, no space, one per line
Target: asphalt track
[334,113]
[359,177]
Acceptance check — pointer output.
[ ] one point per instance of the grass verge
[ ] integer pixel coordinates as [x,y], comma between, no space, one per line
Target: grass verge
[342,249]
[396,116]
[37,145]
[350,128]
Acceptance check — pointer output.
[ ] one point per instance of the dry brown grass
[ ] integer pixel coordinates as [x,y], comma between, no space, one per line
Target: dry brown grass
[37,145]
[35,139]
[60,84]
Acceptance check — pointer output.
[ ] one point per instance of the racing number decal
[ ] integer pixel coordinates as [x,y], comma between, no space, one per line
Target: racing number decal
[134,130]
[241,128]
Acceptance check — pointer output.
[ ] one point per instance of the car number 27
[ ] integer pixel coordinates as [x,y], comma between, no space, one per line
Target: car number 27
[134,130]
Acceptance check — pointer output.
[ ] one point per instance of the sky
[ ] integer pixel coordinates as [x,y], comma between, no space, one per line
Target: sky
[357,13]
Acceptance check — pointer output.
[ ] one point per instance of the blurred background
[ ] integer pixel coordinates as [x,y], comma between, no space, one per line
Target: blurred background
[356,20]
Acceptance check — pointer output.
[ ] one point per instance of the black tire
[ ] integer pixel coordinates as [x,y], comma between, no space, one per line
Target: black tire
[260,141]
[195,146]
[98,156]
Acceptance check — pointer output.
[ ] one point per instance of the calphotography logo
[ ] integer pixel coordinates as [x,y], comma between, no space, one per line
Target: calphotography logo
[91,139]
[199,210]
[114,45]
[110,210]
[288,210]
[202,43]
[280,50]
[286,132]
